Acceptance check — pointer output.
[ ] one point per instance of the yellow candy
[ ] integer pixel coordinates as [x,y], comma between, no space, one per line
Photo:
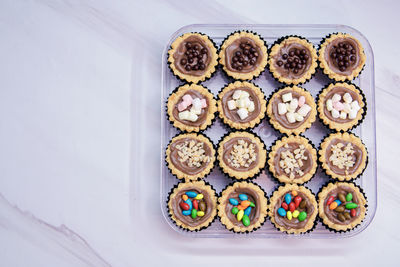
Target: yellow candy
[289,215]
[294,193]
[295,213]
[239,215]
[200,213]
[199,196]
[185,197]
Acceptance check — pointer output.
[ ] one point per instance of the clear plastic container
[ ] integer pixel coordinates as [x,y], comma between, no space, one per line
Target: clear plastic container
[270,33]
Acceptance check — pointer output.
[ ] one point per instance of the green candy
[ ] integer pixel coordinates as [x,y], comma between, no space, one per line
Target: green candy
[246,220]
[351,206]
[349,197]
[302,216]
[194,213]
[235,210]
[252,204]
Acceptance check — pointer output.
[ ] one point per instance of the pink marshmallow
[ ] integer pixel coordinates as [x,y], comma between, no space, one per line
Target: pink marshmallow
[188,99]
[302,101]
[338,106]
[182,106]
[203,103]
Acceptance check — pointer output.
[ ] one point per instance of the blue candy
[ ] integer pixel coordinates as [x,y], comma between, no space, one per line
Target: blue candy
[186,212]
[233,201]
[338,202]
[189,202]
[191,194]
[282,212]
[288,198]
[243,197]
[247,211]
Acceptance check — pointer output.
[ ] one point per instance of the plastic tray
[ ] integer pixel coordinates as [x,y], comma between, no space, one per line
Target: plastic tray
[270,33]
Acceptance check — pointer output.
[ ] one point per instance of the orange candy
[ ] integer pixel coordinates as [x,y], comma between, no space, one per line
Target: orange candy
[184,197]
[245,203]
[294,193]
[240,207]
[333,205]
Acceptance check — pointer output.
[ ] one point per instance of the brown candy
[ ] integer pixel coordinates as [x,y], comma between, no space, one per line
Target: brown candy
[245,56]
[295,61]
[202,206]
[342,197]
[302,204]
[341,217]
[196,55]
[347,215]
[340,209]
[343,54]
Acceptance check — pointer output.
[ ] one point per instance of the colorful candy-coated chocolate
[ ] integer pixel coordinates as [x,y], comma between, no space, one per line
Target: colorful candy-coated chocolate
[199,196]
[233,201]
[195,204]
[302,216]
[285,206]
[184,206]
[185,197]
[186,212]
[246,220]
[194,213]
[202,206]
[294,193]
[292,207]
[289,215]
[189,202]
[247,211]
[243,197]
[353,212]
[191,194]
[200,213]
[245,203]
[252,204]
[333,205]
[338,202]
[240,207]
[234,210]
[239,215]
[295,213]
[282,212]
[330,200]
[349,197]
[297,200]
[288,198]
[351,206]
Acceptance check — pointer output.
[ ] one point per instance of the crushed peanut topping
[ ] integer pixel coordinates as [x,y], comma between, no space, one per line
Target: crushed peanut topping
[291,162]
[242,154]
[342,156]
[192,153]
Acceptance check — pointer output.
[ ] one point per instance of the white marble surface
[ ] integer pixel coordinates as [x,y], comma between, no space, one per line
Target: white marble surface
[75,79]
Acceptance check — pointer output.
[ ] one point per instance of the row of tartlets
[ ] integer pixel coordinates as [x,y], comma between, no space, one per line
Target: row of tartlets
[243,206]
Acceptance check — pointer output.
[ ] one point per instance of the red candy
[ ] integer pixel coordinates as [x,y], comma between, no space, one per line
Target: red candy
[292,207]
[297,200]
[195,204]
[184,206]
[285,206]
[330,200]
[353,212]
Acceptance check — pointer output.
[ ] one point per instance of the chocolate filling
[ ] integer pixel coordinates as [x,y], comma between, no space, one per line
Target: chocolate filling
[357,158]
[341,91]
[203,115]
[292,60]
[252,196]
[228,147]
[307,164]
[192,61]
[281,119]
[294,223]
[188,220]
[344,50]
[236,49]
[232,114]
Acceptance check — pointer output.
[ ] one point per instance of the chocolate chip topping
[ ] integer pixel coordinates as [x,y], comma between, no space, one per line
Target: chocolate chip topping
[201,117]
[341,91]
[343,55]
[293,60]
[232,114]
[192,56]
[229,146]
[252,196]
[243,55]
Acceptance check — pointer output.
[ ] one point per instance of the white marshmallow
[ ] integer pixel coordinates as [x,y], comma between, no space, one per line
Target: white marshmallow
[287,97]
[246,102]
[192,117]
[352,114]
[336,98]
[335,113]
[289,109]
[240,103]
[346,107]
[184,115]
[329,104]
[303,111]
[231,104]
[244,94]
[294,103]
[243,114]
[290,117]
[195,111]
[282,108]
[343,115]
[196,103]
[354,105]
[347,98]
[237,94]
[298,117]
[251,107]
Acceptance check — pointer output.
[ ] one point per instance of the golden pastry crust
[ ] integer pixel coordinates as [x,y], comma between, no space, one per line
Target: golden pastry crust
[242,125]
[306,124]
[223,199]
[176,96]
[180,174]
[325,67]
[200,185]
[307,75]
[279,194]
[332,124]
[345,137]
[261,156]
[283,178]
[210,69]
[324,193]
[260,43]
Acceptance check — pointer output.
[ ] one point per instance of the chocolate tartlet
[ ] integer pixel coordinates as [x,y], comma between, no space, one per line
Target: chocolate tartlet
[241,105]
[242,207]
[241,155]
[343,156]
[341,57]
[293,209]
[293,159]
[291,110]
[293,60]
[190,156]
[191,108]
[193,57]
[193,205]
[341,106]
[342,206]
[243,55]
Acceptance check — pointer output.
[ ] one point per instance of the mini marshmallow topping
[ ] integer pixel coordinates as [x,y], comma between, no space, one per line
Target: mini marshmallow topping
[195,104]
[342,107]
[241,101]
[295,109]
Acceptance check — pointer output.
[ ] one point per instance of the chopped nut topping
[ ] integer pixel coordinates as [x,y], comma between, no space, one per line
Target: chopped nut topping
[242,154]
[342,156]
[291,162]
[192,153]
